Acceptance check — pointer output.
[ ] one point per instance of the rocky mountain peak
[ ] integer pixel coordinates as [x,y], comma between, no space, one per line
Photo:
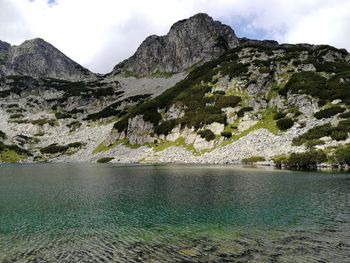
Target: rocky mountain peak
[38,58]
[189,41]
[4,46]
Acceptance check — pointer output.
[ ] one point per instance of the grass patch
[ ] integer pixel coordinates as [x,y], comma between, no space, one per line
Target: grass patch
[105,159]
[253,159]
[267,122]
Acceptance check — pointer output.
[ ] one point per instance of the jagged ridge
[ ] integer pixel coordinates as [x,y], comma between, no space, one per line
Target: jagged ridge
[189,41]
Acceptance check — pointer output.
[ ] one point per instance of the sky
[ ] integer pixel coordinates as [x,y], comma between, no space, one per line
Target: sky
[98,34]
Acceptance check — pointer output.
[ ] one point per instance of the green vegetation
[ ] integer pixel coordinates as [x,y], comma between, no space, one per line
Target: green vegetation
[226,134]
[2,135]
[104,113]
[61,115]
[42,122]
[55,148]
[329,112]
[312,143]
[340,132]
[74,125]
[242,111]
[105,159]
[221,101]
[253,159]
[306,159]
[314,134]
[303,160]
[16,116]
[342,155]
[314,84]
[285,123]
[279,115]
[191,93]
[267,122]
[339,135]
[345,115]
[207,134]
[165,127]
[12,153]
[280,160]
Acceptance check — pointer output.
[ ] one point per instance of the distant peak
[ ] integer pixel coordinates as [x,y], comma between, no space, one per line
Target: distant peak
[36,40]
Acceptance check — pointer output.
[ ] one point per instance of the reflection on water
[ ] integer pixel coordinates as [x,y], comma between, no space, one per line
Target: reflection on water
[104,213]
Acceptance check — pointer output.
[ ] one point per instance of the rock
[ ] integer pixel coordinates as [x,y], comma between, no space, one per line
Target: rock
[176,111]
[216,128]
[139,131]
[347,58]
[307,67]
[334,102]
[189,41]
[201,144]
[37,58]
[332,56]
[174,134]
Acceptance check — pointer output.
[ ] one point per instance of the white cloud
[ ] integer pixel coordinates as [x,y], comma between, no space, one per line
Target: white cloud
[100,33]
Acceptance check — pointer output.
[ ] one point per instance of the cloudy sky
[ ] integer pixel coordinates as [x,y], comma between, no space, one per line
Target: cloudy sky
[100,33]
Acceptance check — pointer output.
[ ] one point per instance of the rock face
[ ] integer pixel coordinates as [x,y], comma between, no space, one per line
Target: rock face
[38,58]
[189,41]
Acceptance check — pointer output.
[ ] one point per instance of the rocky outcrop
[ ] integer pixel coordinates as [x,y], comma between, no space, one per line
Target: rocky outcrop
[38,58]
[189,41]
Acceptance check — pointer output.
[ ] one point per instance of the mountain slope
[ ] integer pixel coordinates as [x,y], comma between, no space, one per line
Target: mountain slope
[37,58]
[251,99]
[189,41]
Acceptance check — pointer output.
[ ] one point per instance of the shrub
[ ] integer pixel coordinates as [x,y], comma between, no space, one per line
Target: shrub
[75,145]
[227,135]
[61,115]
[285,123]
[165,127]
[280,160]
[42,122]
[306,159]
[345,115]
[242,111]
[74,125]
[279,115]
[105,159]
[54,148]
[339,135]
[104,113]
[16,116]
[312,143]
[344,126]
[228,101]
[253,159]
[207,134]
[329,112]
[314,84]
[342,155]
[314,133]
[2,135]
[121,125]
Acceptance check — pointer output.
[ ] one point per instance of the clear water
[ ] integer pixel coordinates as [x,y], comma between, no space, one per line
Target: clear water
[173,213]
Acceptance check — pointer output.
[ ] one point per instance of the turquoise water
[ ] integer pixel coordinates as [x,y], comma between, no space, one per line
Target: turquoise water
[172,213]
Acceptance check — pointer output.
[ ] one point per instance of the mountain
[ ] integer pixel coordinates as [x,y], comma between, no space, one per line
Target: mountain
[38,58]
[196,39]
[181,98]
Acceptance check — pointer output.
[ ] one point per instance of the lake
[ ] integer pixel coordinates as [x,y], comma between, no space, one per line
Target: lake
[172,213]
